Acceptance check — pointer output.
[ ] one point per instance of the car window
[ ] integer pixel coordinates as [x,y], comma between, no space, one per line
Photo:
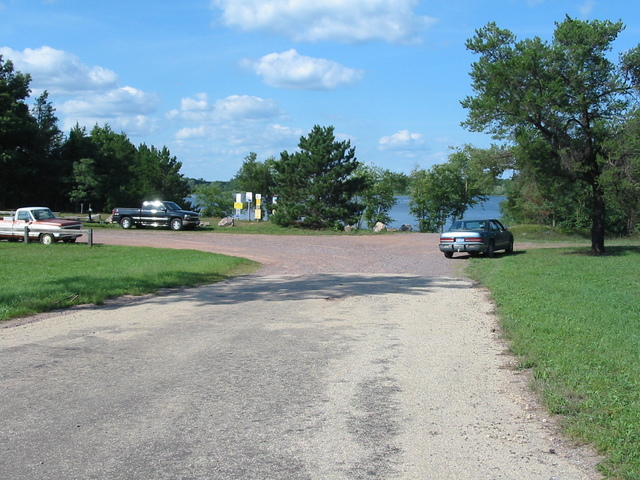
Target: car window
[474,225]
[43,214]
[23,216]
[495,226]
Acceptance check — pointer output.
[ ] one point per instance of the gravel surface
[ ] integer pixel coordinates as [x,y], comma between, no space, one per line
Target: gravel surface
[342,358]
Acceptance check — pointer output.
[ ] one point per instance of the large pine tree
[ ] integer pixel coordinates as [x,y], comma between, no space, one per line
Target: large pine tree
[317,186]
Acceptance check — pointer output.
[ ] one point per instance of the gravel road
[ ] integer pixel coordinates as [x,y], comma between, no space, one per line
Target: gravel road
[342,358]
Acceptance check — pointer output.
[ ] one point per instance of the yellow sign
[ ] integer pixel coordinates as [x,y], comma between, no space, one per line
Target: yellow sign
[237,205]
[258,214]
[258,202]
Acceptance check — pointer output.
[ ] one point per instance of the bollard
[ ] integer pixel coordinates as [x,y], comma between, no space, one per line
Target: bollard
[26,234]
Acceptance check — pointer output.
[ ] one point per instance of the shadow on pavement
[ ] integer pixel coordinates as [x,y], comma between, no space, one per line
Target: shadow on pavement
[325,286]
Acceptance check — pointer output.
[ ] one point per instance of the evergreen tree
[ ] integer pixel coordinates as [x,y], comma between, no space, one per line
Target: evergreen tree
[156,174]
[317,187]
[17,133]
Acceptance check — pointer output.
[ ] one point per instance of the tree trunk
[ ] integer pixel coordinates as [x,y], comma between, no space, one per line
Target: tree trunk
[597,226]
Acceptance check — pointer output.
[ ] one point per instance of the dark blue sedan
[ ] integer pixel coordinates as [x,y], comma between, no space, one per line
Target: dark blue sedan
[475,237]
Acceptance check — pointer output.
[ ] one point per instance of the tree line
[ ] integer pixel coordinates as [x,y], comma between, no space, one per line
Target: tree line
[565,113]
[40,165]
[569,121]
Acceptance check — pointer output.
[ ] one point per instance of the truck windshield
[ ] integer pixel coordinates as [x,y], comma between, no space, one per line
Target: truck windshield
[43,214]
[172,206]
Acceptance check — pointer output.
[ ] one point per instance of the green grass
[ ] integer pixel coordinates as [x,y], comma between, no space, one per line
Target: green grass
[248,227]
[38,278]
[574,319]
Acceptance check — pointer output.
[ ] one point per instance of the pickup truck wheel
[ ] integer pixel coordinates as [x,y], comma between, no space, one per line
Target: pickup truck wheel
[126,223]
[175,224]
[448,254]
[47,239]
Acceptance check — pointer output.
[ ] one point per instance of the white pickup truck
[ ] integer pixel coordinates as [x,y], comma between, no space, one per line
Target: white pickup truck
[43,226]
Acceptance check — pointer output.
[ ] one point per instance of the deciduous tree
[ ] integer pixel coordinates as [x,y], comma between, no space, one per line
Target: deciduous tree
[379,196]
[256,176]
[565,92]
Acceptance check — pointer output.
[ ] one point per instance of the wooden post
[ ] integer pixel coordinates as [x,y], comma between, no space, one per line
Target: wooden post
[90,237]
[26,234]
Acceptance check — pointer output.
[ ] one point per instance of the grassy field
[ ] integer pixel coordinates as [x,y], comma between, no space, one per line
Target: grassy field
[38,278]
[574,319]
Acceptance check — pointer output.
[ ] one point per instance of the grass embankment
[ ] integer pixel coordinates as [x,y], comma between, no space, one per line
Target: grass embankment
[38,278]
[574,319]
[243,227]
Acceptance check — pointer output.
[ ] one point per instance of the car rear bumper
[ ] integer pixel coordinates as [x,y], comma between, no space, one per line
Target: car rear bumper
[463,247]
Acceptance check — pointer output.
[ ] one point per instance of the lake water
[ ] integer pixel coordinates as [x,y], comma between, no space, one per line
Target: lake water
[400,212]
[401,216]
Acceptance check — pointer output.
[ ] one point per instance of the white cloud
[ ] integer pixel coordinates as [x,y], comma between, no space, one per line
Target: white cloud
[85,95]
[231,126]
[195,132]
[59,72]
[234,108]
[403,141]
[316,20]
[245,107]
[587,7]
[291,70]
[117,102]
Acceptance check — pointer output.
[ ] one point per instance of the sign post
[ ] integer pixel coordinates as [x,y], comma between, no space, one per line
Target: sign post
[238,204]
[249,197]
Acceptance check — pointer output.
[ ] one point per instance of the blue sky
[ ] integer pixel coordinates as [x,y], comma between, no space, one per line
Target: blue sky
[214,80]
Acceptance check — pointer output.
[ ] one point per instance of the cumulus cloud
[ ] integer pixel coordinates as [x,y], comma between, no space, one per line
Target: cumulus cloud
[345,21]
[85,95]
[60,72]
[116,102]
[291,70]
[232,126]
[233,108]
[245,107]
[403,141]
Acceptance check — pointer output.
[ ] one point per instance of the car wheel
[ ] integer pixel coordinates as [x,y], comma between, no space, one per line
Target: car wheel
[126,223]
[448,254]
[175,224]
[490,249]
[510,247]
[47,239]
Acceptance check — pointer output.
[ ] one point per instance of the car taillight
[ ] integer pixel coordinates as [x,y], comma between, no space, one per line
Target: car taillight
[447,240]
[473,239]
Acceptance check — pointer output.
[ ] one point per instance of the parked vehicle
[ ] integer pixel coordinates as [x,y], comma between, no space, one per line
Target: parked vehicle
[156,214]
[42,225]
[475,237]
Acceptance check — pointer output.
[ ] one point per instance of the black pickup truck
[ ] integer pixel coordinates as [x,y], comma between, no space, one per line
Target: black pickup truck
[156,214]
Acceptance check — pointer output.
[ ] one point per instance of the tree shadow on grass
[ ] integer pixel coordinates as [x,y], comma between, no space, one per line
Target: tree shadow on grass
[610,251]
